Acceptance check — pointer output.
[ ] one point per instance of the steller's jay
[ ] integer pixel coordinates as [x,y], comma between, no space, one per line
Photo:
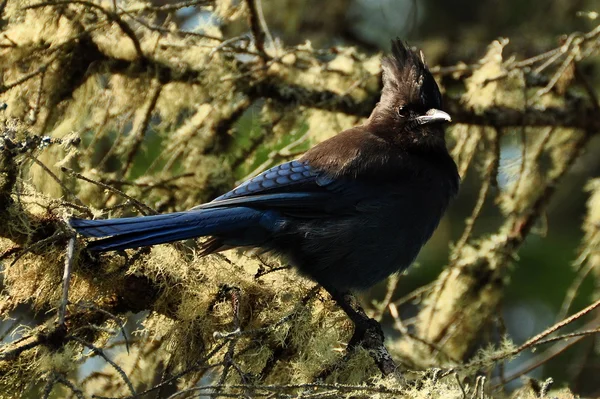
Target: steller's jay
[351,211]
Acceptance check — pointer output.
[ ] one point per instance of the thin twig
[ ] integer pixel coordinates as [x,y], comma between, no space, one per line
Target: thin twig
[257,32]
[544,357]
[62,310]
[169,6]
[57,236]
[573,289]
[536,340]
[41,69]
[196,366]
[380,307]
[76,391]
[121,325]
[114,365]
[571,335]
[402,329]
[143,208]
[49,386]
[144,115]
[57,180]
[110,16]
[488,177]
[563,67]
[263,24]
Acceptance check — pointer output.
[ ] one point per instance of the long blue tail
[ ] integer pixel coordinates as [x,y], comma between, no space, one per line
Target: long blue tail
[133,232]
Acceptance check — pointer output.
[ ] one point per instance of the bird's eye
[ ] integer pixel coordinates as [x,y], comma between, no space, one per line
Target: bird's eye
[402,111]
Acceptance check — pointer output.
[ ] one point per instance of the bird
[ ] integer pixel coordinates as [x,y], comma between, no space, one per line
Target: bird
[348,213]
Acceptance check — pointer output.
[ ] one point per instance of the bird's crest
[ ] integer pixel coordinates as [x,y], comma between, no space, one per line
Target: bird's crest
[406,78]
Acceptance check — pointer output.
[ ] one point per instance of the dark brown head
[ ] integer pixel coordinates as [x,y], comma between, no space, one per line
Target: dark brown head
[410,105]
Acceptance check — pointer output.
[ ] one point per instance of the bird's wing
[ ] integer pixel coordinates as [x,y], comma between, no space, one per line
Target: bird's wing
[292,188]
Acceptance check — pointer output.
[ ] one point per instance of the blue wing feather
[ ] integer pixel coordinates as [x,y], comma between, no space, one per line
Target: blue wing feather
[294,188]
[278,178]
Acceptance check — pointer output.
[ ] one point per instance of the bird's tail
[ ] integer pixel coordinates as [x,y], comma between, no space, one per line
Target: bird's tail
[133,232]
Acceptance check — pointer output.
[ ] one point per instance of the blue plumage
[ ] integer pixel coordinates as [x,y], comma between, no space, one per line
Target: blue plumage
[135,232]
[277,177]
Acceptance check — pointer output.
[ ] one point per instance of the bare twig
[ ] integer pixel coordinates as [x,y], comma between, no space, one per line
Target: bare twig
[62,310]
[554,351]
[255,27]
[60,183]
[144,209]
[573,289]
[380,307]
[488,178]
[200,364]
[39,70]
[76,391]
[110,315]
[100,352]
[110,16]
[144,115]
[538,338]
[169,6]
[402,328]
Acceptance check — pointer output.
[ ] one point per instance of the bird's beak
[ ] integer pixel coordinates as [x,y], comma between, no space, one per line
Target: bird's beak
[433,116]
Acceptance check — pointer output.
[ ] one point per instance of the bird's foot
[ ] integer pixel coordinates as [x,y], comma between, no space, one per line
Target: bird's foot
[367,333]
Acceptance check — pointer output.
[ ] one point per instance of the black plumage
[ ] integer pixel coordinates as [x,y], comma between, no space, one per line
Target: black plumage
[351,211]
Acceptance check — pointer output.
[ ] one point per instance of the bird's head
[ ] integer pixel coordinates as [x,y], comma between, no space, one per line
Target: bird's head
[410,102]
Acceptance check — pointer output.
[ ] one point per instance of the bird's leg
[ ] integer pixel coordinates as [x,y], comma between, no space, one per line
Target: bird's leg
[362,322]
[367,331]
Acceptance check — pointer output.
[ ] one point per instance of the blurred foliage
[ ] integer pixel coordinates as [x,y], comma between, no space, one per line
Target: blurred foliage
[114,108]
